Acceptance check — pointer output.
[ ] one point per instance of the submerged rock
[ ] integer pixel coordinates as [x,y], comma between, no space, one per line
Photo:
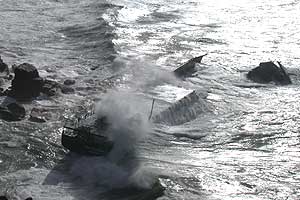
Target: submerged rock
[50,87]
[189,67]
[269,72]
[12,112]
[67,90]
[69,82]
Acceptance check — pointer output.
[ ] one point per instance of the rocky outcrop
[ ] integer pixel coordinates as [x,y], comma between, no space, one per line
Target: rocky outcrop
[27,83]
[189,67]
[268,72]
[12,112]
[3,66]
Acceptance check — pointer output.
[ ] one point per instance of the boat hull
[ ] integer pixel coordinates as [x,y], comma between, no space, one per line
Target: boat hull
[87,144]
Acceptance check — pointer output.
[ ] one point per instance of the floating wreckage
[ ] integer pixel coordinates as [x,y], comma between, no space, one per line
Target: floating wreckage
[189,67]
[268,72]
[184,110]
[84,137]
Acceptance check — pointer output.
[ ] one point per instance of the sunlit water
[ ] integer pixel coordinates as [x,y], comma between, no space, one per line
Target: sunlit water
[243,143]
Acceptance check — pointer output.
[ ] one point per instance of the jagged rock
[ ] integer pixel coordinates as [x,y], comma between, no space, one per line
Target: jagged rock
[26,83]
[12,112]
[69,82]
[189,67]
[3,66]
[39,115]
[267,72]
[26,71]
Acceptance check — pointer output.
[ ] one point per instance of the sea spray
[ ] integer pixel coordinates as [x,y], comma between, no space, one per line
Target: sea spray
[142,73]
[127,115]
[127,119]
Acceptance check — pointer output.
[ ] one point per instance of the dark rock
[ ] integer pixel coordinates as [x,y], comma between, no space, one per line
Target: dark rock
[267,72]
[189,67]
[26,83]
[3,66]
[50,87]
[3,198]
[29,198]
[12,112]
[67,90]
[39,115]
[69,82]
[26,71]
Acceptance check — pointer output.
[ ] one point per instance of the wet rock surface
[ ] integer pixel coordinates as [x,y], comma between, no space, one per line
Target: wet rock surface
[39,115]
[69,82]
[26,83]
[3,66]
[67,90]
[268,72]
[50,87]
[12,112]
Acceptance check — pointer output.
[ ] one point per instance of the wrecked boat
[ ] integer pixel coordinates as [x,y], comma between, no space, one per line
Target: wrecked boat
[189,67]
[83,140]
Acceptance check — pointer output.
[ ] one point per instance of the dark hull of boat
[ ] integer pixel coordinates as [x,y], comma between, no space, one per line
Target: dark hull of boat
[92,146]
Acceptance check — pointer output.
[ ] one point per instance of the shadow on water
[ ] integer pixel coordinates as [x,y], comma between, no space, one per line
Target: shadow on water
[100,178]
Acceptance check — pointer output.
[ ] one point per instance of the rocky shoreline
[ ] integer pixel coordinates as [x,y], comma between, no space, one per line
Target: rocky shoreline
[25,86]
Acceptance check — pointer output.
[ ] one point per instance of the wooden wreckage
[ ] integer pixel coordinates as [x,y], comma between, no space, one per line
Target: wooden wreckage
[87,139]
[188,68]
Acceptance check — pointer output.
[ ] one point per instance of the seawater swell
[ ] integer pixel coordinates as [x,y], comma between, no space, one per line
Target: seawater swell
[92,41]
[79,46]
[184,110]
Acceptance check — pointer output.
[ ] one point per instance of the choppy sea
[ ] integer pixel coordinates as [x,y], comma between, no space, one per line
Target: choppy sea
[232,141]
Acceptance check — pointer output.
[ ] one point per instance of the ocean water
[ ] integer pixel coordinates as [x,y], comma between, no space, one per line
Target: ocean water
[228,140]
